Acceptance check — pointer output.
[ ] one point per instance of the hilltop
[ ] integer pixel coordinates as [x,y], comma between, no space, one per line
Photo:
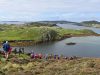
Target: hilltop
[91,23]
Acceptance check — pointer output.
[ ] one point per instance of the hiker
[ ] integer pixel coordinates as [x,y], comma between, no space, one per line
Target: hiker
[55,56]
[36,56]
[46,56]
[20,51]
[6,48]
[23,50]
[32,55]
[15,51]
[58,57]
[40,56]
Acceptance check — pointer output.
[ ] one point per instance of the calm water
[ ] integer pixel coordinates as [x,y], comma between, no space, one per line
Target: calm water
[70,26]
[86,46]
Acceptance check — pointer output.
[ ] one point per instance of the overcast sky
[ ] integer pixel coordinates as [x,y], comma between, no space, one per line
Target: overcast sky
[35,10]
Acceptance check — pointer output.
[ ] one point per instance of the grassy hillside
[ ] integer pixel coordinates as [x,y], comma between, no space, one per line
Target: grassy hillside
[36,33]
[23,65]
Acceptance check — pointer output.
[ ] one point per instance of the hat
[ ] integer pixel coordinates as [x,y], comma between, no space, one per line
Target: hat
[6,41]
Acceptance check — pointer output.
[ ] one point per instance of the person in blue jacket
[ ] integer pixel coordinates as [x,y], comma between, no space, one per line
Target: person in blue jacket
[6,48]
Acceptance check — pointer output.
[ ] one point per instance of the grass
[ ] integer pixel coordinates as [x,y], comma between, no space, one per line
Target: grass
[80,66]
[13,32]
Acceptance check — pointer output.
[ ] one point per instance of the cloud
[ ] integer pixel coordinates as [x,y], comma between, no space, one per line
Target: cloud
[49,9]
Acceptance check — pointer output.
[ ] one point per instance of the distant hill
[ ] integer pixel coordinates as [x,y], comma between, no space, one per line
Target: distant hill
[59,22]
[91,23]
[56,22]
[51,23]
[39,24]
[12,22]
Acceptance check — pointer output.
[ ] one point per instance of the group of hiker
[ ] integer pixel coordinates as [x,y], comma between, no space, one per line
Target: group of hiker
[20,51]
[7,50]
[41,56]
[50,56]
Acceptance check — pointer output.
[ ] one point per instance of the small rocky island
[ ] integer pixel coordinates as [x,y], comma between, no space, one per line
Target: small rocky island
[71,43]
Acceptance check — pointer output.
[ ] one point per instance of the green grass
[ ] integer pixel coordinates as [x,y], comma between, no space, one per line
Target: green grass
[12,32]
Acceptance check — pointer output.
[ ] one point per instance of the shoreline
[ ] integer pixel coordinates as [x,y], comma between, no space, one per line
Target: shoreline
[77,35]
[21,43]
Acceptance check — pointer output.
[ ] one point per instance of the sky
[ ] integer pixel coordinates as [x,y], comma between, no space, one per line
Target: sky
[40,10]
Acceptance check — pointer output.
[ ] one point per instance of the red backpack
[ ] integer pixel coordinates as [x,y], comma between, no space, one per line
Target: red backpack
[10,49]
